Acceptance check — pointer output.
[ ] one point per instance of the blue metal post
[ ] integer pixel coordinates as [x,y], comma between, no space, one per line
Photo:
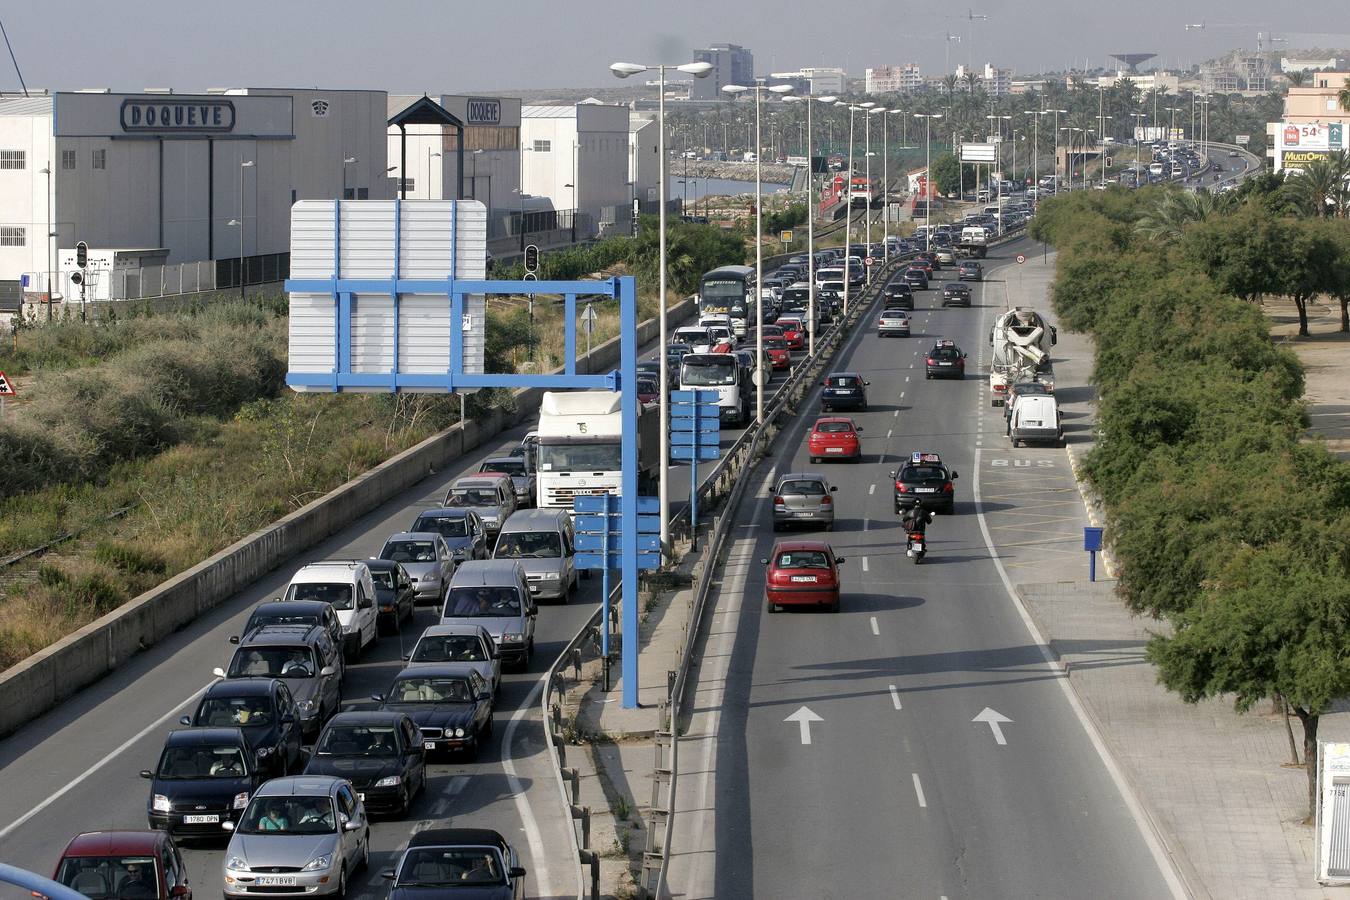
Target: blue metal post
[693,490]
[1092,565]
[604,581]
[628,502]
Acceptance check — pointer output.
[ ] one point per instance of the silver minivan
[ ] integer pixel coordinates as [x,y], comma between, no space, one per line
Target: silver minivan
[544,543]
[494,593]
[803,498]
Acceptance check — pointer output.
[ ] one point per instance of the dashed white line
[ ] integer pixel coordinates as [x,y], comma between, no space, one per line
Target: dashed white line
[876,629]
[865,569]
[889,432]
[873,488]
[895,697]
[918,792]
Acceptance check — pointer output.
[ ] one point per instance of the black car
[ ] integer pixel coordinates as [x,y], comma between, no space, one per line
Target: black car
[294,612]
[897,294]
[472,863]
[395,595]
[925,482]
[843,390]
[204,777]
[264,710]
[945,360]
[956,294]
[970,270]
[451,704]
[379,752]
[916,278]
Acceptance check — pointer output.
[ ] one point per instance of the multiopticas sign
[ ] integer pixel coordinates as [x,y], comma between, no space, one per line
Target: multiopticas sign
[157,114]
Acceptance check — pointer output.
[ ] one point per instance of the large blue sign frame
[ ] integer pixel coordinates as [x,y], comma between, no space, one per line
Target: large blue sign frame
[455,290]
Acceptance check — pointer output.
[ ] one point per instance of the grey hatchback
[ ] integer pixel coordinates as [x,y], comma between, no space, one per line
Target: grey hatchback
[803,498]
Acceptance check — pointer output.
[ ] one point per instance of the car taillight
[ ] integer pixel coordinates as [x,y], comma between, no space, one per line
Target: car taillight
[930,360]
[947,488]
[900,488]
[778,501]
[827,500]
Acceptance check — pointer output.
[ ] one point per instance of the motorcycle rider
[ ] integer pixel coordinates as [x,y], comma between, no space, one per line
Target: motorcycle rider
[915,521]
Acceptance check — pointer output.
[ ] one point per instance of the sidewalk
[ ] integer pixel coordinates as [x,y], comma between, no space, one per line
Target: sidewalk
[1215,784]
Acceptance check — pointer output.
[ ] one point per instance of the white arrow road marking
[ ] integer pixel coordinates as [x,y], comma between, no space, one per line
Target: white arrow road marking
[804,717]
[895,697]
[995,721]
[918,792]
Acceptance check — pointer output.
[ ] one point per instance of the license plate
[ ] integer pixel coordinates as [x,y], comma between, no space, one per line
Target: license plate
[834,449]
[925,490]
[803,515]
[944,364]
[534,589]
[275,881]
[806,578]
[428,745]
[200,820]
[360,796]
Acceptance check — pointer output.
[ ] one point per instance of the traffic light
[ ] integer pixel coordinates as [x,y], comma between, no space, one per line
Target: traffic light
[531,258]
[1108,161]
[76,278]
[82,255]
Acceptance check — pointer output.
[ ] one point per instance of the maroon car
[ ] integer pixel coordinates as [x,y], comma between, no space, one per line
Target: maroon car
[802,573]
[124,865]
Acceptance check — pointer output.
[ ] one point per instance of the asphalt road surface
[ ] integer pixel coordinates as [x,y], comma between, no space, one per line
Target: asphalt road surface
[944,760]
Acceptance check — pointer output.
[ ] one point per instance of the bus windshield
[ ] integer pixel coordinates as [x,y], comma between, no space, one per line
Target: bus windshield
[707,372]
[722,295]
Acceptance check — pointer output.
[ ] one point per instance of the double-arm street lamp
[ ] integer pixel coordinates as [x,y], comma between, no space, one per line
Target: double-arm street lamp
[928,174]
[698,70]
[811,203]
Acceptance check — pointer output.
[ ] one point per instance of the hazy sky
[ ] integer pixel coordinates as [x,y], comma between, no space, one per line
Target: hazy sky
[450,46]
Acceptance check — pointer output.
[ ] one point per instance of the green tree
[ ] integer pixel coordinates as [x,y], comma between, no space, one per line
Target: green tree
[1296,79]
[1319,189]
[1175,209]
[1340,274]
[1307,267]
[1242,252]
[1344,95]
[948,173]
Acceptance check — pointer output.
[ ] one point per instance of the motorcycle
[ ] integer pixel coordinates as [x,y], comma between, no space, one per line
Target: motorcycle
[915,547]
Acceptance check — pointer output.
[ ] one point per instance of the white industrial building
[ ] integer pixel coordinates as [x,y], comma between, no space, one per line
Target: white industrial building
[160,177]
[578,157]
[894,79]
[644,161]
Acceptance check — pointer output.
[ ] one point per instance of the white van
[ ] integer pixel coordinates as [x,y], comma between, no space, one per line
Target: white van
[349,587]
[1036,419]
[698,338]
[829,273]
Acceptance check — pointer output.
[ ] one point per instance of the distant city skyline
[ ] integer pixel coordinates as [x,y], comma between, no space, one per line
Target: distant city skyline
[417,45]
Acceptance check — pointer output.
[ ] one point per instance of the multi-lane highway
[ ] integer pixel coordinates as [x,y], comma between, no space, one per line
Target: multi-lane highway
[943,758]
[77,768]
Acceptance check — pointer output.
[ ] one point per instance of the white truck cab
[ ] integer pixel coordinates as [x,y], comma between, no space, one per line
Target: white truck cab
[349,587]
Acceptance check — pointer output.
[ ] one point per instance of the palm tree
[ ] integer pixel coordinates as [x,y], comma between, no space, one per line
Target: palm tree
[972,82]
[1176,209]
[949,85]
[1296,79]
[1344,95]
[1319,190]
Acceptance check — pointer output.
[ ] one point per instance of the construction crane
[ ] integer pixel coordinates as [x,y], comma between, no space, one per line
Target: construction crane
[971,17]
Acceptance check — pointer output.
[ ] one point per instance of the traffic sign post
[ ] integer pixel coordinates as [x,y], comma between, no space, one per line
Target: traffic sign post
[600,531]
[695,433]
[588,320]
[1092,542]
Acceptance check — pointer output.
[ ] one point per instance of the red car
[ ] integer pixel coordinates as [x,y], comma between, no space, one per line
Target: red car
[776,349]
[648,389]
[794,330]
[835,437]
[130,865]
[802,573]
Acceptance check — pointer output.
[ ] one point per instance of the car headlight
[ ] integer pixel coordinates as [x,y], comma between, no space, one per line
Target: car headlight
[305,706]
[241,800]
[512,638]
[552,576]
[161,803]
[459,732]
[388,781]
[317,863]
[238,863]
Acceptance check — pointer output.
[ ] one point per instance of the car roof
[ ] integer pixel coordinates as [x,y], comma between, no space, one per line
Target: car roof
[500,459]
[447,512]
[241,687]
[281,635]
[291,607]
[824,419]
[442,669]
[292,785]
[459,837]
[844,374]
[345,569]
[480,479]
[185,736]
[486,572]
[782,546]
[533,519]
[382,565]
[413,536]
[366,717]
[115,843]
[802,476]
[455,629]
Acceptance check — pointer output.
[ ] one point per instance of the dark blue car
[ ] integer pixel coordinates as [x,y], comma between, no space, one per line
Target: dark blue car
[464,863]
[204,778]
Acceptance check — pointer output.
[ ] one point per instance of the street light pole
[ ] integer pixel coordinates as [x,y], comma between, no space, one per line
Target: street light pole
[247,164]
[928,175]
[430,155]
[51,249]
[811,203]
[698,70]
[848,203]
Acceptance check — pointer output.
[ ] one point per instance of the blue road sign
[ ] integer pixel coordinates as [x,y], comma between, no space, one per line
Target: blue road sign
[594,524]
[695,434]
[605,562]
[594,543]
[599,503]
[695,453]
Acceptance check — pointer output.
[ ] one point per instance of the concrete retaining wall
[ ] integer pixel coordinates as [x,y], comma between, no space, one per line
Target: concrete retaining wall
[35,685]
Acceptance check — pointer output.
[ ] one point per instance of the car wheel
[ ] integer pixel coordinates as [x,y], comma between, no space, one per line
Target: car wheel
[834,607]
[769,607]
[814,460]
[341,892]
[829,526]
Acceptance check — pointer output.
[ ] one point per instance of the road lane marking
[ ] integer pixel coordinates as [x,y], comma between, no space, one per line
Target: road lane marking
[895,696]
[995,720]
[873,488]
[876,629]
[804,717]
[865,567]
[122,748]
[522,803]
[918,792]
[889,432]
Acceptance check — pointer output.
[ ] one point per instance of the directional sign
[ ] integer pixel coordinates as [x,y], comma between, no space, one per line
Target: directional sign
[594,543]
[996,720]
[7,387]
[600,528]
[697,435]
[804,717]
[1021,259]
[685,452]
[585,524]
[599,503]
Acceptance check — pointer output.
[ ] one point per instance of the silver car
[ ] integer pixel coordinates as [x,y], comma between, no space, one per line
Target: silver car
[491,495]
[803,498]
[516,468]
[495,594]
[893,321]
[469,644]
[426,558]
[300,836]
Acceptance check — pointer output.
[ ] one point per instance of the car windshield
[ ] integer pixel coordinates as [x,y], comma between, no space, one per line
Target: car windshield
[276,662]
[514,467]
[790,325]
[258,620]
[450,867]
[697,336]
[648,385]
[844,381]
[472,497]
[600,457]
[775,342]
[340,595]
[923,473]
[446,526]
[223,712]
[483,602]
[529,545]
[409,551]
[803,559]
[449,648]
[834,427]
[220,761]
[430,689]
[807,486]
[108,877]
[359,740]
[708,373]
[289,815]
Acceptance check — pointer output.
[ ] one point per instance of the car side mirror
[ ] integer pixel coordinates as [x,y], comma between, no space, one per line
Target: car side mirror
[839,560]
[516,872]
[866,383]
[833,489]
[532,613]
[485,695]
[955,474]
[227,825]
[387,874]
[493,654]
[366,603]
[351,825]
[407,657]
[185,720]
[378,698]
[146,773]
[858,428]
[326,671]
[894,472]
[218,672]
[234,639]
[179,890]
[287,719]
[764,561]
